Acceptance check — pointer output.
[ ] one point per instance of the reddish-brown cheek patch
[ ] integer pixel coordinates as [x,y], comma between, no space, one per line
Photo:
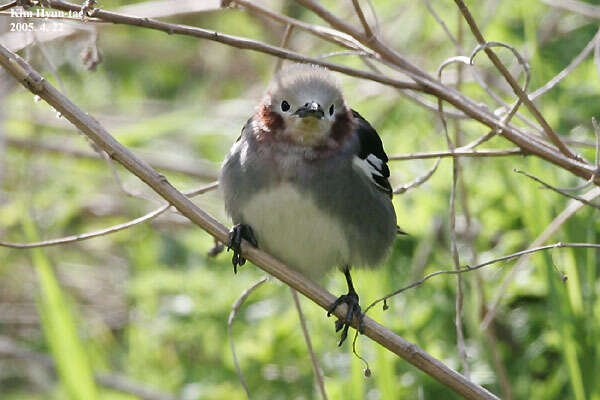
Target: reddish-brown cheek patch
[342,127]
[269,121]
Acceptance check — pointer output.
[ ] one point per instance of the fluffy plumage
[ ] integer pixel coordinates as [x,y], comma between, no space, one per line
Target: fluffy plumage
[314,190]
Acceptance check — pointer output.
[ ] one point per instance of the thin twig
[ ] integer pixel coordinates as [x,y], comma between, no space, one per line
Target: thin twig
[34,82]
[230,40]
[587,183]
[287,34]
[8,5]
[63,88]
[469,61]
[363,20]
[328,34]
[552,228]
[234,310]
[514,108]
[572,65]
[566,194]
[424,82]
[459,153]
[479,266]
[313,357]
[116,177]
[419,180]
[578,7]
[107,231]
[49,61]
[359,53]
[413,96]
[480,81]
[444,26]
[374,13]
[513,83]
[454,248]
[200,170]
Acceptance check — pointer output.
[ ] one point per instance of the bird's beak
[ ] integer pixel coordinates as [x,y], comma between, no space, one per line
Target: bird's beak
[311,109]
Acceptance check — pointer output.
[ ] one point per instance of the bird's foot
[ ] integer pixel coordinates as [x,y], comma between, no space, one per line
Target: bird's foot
[351,300]
[236,235]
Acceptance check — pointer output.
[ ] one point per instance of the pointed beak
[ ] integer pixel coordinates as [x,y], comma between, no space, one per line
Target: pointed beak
[311,109]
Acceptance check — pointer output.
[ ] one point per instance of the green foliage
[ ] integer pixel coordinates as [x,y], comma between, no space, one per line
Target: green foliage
[147,302]
[59,326]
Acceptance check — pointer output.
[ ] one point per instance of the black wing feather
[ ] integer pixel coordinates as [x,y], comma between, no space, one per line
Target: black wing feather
[370,144]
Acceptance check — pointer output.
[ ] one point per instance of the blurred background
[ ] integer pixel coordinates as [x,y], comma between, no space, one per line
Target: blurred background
[147,307]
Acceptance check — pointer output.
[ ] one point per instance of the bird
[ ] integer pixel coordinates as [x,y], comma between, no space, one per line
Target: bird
[307,182]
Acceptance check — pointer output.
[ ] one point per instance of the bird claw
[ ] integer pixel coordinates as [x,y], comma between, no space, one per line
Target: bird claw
[351,300]
[238,233]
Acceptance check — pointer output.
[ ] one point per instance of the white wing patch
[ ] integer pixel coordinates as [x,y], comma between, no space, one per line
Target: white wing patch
[376,164]
[370,166]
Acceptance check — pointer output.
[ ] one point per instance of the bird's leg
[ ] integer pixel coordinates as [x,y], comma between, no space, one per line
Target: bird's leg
[236,235]
[351,300]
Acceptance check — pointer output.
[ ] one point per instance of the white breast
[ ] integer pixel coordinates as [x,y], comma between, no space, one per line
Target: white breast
[289,225]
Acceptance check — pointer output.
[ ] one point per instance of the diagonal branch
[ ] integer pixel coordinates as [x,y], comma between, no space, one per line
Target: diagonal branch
[572,207]
[423,82]
[107,231]
[454,97]
[513,83]
[547,186]
[200,169]
[230,40]
[33,81]
[329,34]
[459,153]
[575,6]
[363,19]
[468,268]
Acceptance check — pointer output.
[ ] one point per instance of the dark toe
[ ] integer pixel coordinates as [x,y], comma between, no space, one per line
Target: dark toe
[238,233]
[351,300]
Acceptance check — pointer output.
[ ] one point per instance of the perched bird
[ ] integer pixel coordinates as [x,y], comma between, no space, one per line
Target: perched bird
[307,181]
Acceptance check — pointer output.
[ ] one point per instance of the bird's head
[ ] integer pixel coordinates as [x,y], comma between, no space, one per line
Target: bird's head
[304,104]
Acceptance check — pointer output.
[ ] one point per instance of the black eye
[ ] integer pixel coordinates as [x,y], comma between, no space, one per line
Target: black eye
[331,110]
[285,106]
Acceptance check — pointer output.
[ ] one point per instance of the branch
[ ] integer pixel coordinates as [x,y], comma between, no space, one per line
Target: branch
[578,7]
[512,82]
[200,170]
[106,231]
[562,74]
[423,82]
[363,19]
[311,352]
[551,229]
[452,96]
[230,40]
[234,310]
[33,81]
[328,34]
[418,181]
[473,71]
[8,5]
[459,153]
[460,340]
[547,186]
[479,266]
